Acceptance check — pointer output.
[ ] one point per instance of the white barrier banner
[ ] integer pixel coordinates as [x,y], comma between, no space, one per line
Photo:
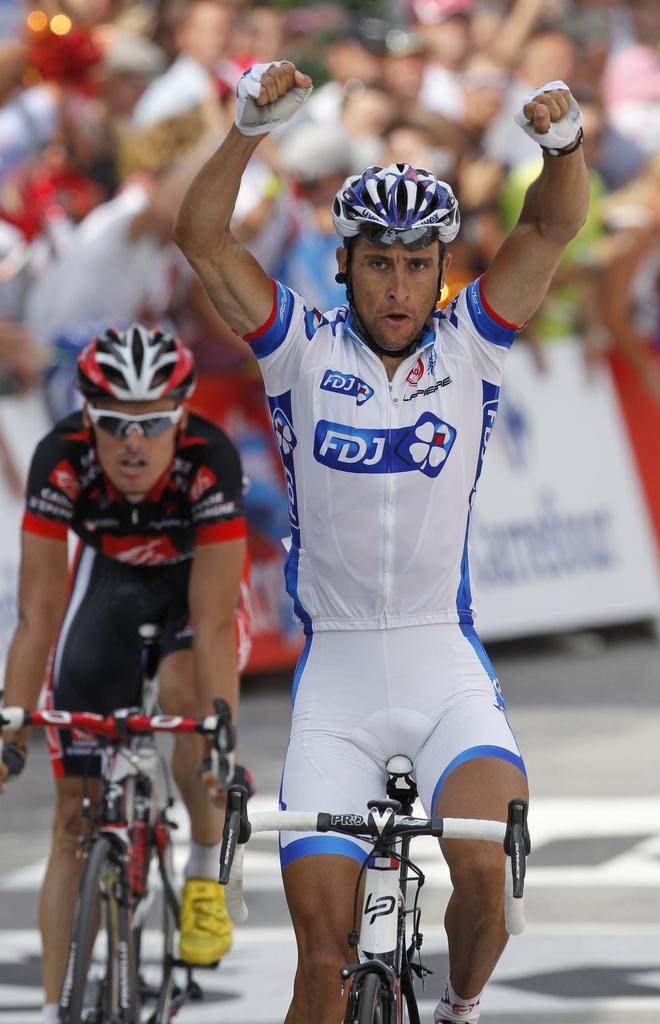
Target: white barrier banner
[560,536]
[23,422]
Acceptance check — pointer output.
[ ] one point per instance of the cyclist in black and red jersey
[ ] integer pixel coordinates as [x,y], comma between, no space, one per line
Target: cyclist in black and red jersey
[154,494]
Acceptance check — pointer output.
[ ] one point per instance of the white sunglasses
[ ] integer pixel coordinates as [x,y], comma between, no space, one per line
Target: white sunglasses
[149,424]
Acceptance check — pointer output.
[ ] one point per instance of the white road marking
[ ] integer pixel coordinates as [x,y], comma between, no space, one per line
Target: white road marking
[267,954]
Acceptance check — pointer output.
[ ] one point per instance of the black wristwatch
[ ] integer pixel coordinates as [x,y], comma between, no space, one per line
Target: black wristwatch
[577,142]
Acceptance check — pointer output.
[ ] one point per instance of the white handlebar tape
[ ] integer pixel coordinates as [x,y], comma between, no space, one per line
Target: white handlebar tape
[13,718]
[283,821]
[234,895]
[514,910]
[560,133]
[473,828]
[252,119]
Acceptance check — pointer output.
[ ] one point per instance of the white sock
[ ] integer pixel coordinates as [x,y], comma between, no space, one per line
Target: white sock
[50,1013]
[203,861]
[453,1007]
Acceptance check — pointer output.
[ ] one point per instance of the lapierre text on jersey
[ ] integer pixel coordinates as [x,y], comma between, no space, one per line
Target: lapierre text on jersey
[428,391]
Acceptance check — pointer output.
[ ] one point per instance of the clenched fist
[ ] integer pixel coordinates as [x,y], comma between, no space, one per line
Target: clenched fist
[269,95]
[550,116]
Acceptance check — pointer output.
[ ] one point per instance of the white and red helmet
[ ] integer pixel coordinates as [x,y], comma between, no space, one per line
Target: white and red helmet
[136,365]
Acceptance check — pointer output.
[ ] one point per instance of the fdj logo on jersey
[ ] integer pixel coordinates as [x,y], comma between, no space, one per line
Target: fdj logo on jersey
[347,384]
[287,441]
[423,446]
[286,438]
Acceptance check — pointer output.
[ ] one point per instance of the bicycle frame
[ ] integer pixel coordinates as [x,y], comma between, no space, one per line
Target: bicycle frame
[129,799]
[381,944]
[133,803]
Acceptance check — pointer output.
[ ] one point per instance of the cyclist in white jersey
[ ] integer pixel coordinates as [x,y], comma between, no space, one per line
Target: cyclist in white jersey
[382,410]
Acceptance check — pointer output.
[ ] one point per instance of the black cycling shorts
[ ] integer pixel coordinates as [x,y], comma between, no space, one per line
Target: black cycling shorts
[95,664]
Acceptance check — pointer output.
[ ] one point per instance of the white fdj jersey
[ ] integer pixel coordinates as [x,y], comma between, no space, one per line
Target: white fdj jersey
[381,475]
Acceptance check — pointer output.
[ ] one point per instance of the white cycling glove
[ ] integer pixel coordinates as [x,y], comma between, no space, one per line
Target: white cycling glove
[254,120]
[560,133]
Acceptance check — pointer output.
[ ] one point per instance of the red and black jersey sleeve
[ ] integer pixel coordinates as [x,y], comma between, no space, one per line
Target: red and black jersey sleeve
[54,480]
[216,490]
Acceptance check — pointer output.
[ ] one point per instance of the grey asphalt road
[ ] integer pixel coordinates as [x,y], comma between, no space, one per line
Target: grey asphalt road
[586,710]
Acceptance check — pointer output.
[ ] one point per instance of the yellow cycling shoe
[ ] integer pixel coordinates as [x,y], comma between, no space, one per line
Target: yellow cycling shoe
[205,927]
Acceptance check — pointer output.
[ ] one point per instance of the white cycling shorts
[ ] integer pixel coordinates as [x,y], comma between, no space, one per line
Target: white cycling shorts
[361,696]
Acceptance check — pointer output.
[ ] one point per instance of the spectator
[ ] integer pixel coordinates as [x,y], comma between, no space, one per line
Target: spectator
[317,161]
[121,266]
[365,113]
[632,95]
[259,33]
[354,60]
[423,142]
[445,25]
[548,55]
[130,62]
[483,84]
[404,66]
[21,362]
[631,290]
[203,39]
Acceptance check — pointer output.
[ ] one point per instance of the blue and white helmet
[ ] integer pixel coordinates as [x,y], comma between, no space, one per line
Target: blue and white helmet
[398,203]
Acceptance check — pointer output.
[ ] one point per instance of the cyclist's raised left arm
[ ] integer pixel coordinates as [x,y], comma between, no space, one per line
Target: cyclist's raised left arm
[554,210]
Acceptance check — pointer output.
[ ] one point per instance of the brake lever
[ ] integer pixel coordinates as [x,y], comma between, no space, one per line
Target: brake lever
[237,829]
[517,844]
[224,741]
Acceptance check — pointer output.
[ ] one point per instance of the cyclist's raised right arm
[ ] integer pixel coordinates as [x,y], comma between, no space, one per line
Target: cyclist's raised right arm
[239,288]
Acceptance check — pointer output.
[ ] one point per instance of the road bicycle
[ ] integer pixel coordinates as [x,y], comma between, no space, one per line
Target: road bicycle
[121,965]
[388,942]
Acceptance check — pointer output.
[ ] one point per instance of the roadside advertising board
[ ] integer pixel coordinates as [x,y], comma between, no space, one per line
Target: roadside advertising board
[560,536]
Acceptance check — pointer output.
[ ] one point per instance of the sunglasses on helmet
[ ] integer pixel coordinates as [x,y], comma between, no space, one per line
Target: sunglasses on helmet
[410,238]
[120,424]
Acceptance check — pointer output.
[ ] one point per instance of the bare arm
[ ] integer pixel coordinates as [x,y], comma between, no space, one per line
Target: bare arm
[41,602]
[213,597]
[236,284]
[515,30]
[238,287]
[617,310]
[554,210]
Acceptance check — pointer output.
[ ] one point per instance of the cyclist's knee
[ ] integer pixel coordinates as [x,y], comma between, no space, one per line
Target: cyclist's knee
[320,893]
[321,932]
[69,823]
[320,965]
[477,870]
[184,703]
[177,695]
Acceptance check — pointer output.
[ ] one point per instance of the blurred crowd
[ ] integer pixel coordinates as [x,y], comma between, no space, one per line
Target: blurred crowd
[109,107]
